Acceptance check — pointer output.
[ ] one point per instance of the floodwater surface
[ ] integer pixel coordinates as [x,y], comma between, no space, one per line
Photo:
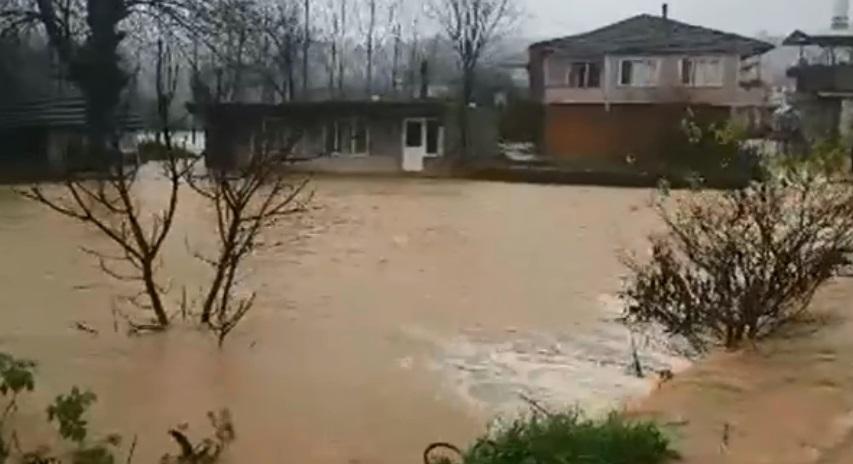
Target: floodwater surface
[391,314]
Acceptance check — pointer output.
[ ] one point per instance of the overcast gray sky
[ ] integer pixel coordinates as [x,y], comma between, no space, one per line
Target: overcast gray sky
[552,18]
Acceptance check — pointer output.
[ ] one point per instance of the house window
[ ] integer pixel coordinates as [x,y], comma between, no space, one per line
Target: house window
[584,75]
[434,135]
[638,72]
[424,135]
[347,136]
[414,134]
[701,72]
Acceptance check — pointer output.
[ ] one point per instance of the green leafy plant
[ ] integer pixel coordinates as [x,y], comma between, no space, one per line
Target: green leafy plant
[706,149]
[68,413]
[16,375]
[565,438]
[827,158]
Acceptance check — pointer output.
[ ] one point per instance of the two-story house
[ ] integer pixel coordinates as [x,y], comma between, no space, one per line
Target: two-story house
[620,92]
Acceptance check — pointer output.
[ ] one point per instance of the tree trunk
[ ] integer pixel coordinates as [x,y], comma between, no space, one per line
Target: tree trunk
[395,61]
[342,48]
[370,30]
[153,293]
[332,67]
[163,101]
[468,80]
[306,47]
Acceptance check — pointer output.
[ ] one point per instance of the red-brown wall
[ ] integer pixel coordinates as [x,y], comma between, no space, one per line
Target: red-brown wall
[596,135]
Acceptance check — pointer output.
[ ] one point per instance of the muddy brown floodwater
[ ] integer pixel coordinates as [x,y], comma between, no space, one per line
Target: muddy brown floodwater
[393,314]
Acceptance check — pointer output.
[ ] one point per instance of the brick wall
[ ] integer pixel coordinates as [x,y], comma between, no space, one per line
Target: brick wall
[595,136]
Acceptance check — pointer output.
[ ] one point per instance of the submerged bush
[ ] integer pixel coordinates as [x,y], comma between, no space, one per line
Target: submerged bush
[739,265]
[567,438]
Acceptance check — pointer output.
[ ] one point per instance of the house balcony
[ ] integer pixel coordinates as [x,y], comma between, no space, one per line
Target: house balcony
[825,80]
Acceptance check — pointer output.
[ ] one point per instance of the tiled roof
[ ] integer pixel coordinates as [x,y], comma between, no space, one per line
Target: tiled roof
[62,112]
[647,34]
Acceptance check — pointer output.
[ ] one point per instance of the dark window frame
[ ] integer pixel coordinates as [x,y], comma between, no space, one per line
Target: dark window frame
[584,75]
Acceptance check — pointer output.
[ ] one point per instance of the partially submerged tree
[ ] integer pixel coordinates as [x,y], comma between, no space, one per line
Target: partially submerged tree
[246,201]
[109,205]
[741,265]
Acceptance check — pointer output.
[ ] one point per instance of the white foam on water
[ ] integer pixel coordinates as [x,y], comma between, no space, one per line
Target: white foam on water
[591,369]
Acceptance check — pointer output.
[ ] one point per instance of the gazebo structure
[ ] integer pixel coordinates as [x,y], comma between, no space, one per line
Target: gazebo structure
[824,80]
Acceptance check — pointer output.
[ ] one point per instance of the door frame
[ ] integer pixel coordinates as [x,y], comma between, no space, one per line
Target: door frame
[421,150]
[412,159]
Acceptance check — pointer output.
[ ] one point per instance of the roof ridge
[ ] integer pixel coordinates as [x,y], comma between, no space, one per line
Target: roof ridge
[643,31]
[592,31]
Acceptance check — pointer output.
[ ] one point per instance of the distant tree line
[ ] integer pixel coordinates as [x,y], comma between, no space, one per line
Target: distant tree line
[247,50]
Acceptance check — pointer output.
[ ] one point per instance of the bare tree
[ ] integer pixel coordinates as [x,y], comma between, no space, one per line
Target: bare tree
[369,43]
[397,37]
[342,47]
[333,37]
[167,72]
[306,46]
[86,36]
[246,201]
[280,26]
[414,57]
[471,27]
[109,206]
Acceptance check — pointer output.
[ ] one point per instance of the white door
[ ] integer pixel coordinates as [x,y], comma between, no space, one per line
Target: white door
[414,144]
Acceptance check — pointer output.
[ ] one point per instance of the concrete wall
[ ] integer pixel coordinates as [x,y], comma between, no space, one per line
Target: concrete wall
[823,78]
[386,138]
[230,140]
[820,117]
[668,89]
[349,165]
[58,143]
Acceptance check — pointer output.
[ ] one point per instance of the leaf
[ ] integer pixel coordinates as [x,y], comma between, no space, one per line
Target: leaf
[68,411]
[16,375]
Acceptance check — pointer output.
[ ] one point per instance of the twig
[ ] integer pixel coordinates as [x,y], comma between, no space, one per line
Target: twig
[535,405]
[81,326]
[132,450]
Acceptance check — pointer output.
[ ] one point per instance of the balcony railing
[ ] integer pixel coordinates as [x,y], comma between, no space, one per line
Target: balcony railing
[819,78]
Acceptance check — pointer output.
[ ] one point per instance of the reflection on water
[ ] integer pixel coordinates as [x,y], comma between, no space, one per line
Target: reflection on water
[393,314]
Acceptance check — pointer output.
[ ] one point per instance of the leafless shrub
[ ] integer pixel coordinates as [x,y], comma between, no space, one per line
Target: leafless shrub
[739,265]
[246,201]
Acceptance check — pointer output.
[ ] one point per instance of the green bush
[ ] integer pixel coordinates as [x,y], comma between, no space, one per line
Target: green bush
[826,157]
[569,438]
[706,149]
